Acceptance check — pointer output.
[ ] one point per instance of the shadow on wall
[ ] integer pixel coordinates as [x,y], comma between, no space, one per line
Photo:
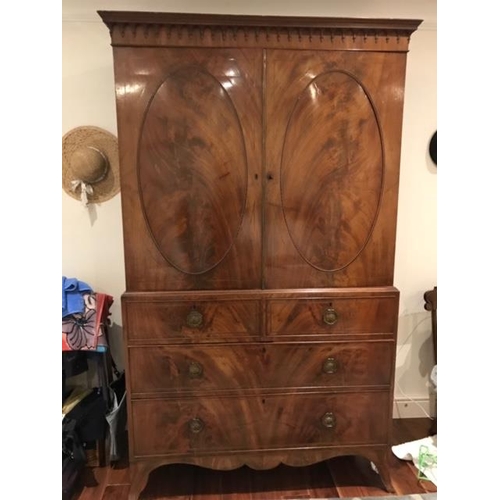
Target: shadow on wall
[115,339]
[414,358]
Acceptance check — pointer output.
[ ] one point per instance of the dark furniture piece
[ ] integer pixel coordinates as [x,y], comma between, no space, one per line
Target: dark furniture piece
[430,298]
[259,176]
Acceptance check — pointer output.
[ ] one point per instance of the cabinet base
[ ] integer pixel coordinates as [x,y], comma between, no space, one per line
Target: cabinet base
[379,455]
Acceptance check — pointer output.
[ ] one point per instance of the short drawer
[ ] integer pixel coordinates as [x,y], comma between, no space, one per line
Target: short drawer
[349,316]
[188,321]
[184,426]
[177,368]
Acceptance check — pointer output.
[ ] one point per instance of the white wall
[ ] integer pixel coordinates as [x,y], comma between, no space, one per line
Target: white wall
[92,246]
[416,242]
[92,240]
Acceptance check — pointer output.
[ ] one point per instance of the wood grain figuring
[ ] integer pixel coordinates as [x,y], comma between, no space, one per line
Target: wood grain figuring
[209,30]
[191,167]
[378,292]
[354,316]
[259,170]
[282,482]
[170,320]
[193,172]
[257,423]
[332,115]
[330,207]
[177,369]
[259,460]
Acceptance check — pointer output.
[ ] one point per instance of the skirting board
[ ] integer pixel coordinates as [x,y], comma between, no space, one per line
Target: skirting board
[409,408]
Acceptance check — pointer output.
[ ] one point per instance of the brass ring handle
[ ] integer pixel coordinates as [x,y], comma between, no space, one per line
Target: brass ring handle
[330,316]
[196,425]
[194,319]
[328,420]
[195,370]
[330,365]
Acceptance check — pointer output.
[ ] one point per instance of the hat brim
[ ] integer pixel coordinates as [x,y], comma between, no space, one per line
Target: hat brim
[433,148]
[106,143]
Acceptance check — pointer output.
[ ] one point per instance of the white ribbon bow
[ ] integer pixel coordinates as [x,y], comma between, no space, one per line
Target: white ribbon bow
[85,190]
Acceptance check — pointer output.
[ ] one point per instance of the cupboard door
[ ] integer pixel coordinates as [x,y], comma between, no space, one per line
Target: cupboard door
[333,134]
[189,124]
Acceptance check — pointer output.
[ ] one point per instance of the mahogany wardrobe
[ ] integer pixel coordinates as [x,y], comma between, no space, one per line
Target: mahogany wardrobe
[259,173]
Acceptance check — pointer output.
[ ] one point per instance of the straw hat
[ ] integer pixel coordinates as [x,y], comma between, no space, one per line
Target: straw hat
[90,170]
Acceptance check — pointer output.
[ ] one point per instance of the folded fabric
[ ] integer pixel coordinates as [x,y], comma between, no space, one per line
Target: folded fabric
[85,331]
[72,296]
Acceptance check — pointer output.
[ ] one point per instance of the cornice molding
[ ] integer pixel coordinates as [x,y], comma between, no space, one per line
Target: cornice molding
[174,29]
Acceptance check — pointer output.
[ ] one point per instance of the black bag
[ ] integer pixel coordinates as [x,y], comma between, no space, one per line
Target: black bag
[90,417]
[73,458]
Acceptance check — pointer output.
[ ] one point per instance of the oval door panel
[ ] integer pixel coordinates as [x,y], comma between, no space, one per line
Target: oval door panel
[331,182]
[192,170]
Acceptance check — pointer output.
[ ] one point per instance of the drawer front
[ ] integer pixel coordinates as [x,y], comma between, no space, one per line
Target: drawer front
[178,427]
[349,316]
[181,368]
[188,321]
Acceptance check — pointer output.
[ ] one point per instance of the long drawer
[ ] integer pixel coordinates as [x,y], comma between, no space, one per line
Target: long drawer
[325,316]
[192,320]
[211,424]
[180,368]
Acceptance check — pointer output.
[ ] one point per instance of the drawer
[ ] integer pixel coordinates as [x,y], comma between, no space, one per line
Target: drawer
[211,368]
[349,316]
[188,321]
[184,426]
